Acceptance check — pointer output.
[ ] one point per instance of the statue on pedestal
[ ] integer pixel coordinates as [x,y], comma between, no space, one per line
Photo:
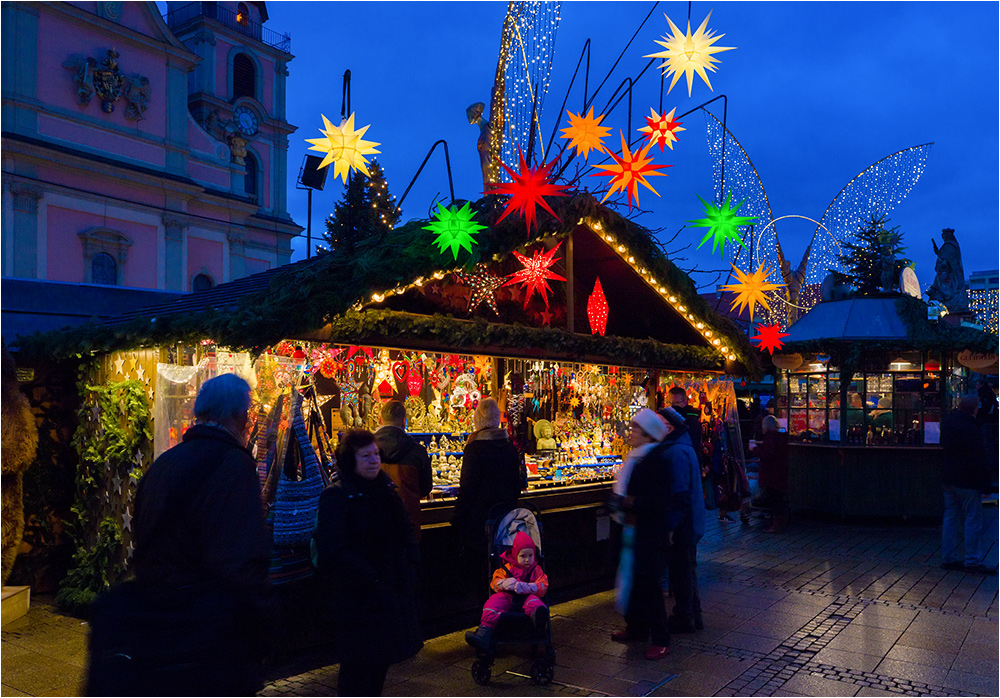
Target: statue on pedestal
[949,285]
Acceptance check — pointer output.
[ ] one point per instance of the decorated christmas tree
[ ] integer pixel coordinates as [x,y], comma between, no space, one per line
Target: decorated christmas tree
[367,209]
[872,263]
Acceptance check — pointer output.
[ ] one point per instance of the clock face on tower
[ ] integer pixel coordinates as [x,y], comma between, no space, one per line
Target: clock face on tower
[246,120]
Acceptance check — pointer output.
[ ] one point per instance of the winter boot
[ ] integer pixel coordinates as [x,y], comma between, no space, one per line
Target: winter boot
[482,639]
[540,618]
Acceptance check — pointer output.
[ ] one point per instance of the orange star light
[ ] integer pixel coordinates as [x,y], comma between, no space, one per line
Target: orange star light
[528,188]
[536,273]
[750,289]
[629,171]
[662,128]
[586,132]
[769,337]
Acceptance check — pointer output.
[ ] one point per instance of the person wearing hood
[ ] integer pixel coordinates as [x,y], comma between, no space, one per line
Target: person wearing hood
[405,460]
[519,579]
[639,502]
[366,553]
[685,522]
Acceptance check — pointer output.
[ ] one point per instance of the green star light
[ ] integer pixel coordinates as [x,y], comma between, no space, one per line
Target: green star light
[722,223]
[454,228]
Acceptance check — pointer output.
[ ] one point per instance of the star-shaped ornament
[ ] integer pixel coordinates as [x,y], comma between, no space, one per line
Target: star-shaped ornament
[484,285]
[344,147]
[364,350]
[688,54]
[546,317]
[119,364]
[140,373]
[628,171]
[527,189]
[769,337]
[117,482]
[722,223]
[454,228]
[586,133]
[662,129]
[536,273]
[751,288]
[130,549]
[126,520]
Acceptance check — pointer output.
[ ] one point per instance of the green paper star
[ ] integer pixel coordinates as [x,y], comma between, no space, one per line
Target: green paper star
[722,223]
[454,228]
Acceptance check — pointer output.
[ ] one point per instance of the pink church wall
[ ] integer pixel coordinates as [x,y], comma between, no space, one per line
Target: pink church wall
[65,250]
[203,255]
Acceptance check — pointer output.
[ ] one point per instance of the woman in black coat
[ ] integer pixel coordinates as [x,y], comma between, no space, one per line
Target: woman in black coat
[365,549]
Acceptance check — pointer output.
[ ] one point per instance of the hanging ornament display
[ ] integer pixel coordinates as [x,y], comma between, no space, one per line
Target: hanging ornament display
[597,309]
[367,351]
[527,188]
[751,288]
[722,223]
[586,133]
[769,337]
[662,129]
[414,381]
[344,147]
[484,285]
[687,54]
[454,228]
[400,370]
[536,273]
[628,171]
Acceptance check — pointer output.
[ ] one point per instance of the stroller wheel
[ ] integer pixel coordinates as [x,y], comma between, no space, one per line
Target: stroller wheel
[542,672]
[481,672]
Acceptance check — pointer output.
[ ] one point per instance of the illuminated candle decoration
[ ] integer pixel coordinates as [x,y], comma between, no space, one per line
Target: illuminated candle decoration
[597,309]
[688,54]
[769,337]
[536,273]
[586,132]
[629,171]
[527,188]
[454,228]
[750,289]
[484,285]
[722,223]
[662,129]
[344,147]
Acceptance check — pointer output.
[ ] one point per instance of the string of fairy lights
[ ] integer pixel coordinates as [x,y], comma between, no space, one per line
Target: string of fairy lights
[983,303]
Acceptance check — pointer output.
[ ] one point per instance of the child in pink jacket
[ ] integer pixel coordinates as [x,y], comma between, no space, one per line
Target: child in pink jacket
[519,577]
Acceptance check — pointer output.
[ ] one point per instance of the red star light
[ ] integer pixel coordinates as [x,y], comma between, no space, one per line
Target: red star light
[528,188]
[536,273]
[629,171]
[597,310]
[769,337]
[662,129]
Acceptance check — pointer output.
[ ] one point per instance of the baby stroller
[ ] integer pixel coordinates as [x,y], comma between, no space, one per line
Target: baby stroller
[514,626]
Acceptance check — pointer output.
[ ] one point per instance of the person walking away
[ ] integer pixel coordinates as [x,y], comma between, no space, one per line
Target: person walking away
[685,522]
[639,502]
[519,581]
[963,479]
[405,460]
[988,419]
[366,553]
[772,476]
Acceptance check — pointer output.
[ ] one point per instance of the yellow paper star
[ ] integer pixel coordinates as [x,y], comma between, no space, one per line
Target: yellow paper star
[344,147]
[750,289]
[574,402]
[585,132]
[689,54]
[662,128]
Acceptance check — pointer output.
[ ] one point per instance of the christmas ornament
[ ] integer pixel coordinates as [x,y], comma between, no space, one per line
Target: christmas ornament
[629,171]
[662,129]
[722,223]
[454,228]
[484,285]
[364,350]
[414,382]
[586,132]
[400,370]
[750,289]
[597,309]
[689,54]
[527,188]
[344,147]
[536,273]
[769,337]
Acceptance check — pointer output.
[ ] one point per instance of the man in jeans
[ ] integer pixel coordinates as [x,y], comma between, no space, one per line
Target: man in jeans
[963,479]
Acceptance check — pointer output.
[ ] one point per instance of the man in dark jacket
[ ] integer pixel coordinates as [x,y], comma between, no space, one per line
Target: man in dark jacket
[405,460]
[963,479]
[692,418]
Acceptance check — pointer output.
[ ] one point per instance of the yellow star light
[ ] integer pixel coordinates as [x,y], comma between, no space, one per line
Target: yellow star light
[585,132]
[689,54]
[344,147]
[750,289]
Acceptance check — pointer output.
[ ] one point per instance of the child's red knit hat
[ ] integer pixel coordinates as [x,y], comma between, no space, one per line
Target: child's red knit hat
[521,541]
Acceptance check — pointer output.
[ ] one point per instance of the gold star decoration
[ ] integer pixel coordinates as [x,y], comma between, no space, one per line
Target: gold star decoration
[689,54]
[344,147]
[586,132]
[750,289]
[662,128]
[628,171]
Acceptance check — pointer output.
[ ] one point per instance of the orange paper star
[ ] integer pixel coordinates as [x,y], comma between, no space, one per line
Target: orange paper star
[536,273]
[750,289]
[586,132]
[769,337]
[528,188]
[662,128]
[629,171]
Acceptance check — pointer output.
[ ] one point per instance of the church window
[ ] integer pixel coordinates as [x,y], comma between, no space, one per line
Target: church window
[104,270]
[201,282]
[250,182]
[244,77]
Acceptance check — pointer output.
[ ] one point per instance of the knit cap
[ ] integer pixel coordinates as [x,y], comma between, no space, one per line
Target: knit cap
[651,423]
[521,541]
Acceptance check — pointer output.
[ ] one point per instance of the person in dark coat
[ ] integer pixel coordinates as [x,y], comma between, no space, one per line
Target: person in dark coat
[365,551]
[773,473]
[963,479]
[405,460]
[640,498]
[988,419]
[199,523]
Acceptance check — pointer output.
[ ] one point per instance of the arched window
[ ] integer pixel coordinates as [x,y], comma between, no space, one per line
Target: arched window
[244,76]
[242,15]
[103,269]
[250,181]
[201,282]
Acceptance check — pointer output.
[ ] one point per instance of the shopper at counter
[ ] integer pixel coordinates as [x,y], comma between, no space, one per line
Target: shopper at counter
[773,473]
[405,460]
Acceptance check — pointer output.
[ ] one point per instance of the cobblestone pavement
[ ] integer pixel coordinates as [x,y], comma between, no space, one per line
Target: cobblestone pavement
[824,609]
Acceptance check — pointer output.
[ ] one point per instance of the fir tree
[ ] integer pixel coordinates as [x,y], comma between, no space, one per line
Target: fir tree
[872,262]
[367,209]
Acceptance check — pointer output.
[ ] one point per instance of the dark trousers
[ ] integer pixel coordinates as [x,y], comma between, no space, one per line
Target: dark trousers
[647,615]
[682,561]
[361,678]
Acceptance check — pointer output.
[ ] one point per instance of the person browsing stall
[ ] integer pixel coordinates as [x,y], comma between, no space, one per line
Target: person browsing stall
[405,460]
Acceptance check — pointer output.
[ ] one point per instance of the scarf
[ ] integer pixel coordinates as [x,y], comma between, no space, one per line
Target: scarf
[625,472]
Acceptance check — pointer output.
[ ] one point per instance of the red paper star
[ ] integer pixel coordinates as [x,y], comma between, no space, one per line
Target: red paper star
[535,273]
[662,128]
[769,337]
[527,189]
[597,310]
[629,171]
[354,350]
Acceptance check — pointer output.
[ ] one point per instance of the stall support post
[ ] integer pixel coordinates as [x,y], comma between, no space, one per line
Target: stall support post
[570,288]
